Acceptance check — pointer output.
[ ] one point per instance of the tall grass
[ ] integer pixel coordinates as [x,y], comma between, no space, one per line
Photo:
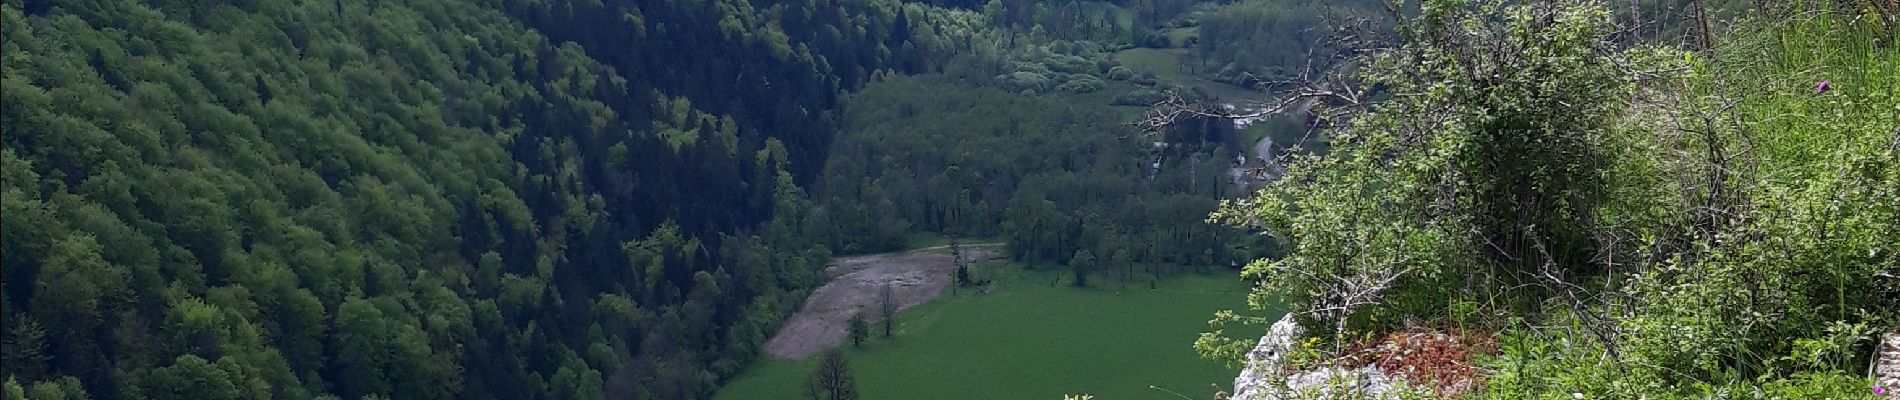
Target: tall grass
[1815,188]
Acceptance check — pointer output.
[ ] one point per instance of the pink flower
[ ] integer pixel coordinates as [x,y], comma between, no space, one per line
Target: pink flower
[1880,390]
[1822,87]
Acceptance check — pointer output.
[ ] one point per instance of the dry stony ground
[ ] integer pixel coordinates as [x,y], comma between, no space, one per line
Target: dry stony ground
[914,277]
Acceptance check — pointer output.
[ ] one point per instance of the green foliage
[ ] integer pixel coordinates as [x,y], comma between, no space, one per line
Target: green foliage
[189,377]
[1048,175]
[62,388]
[1622,214]
[379,355]
[1068,47]
[1816,196]
[1021,81]
[80,286]
[407,199]
[1266,35]
[1082,84]
[26,347]
[963,265]
[859,330]
[1426,195]
[1080,265]
[13,390]
[1251,43]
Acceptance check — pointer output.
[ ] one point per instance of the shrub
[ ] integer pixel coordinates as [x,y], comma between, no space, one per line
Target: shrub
[1154,39]
[1147,78]
[1069,64]
[1747,212]
[1082,84]
[1025,81]
[1031,67]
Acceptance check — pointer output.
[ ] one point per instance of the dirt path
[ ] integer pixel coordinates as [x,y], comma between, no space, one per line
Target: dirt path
[914,277]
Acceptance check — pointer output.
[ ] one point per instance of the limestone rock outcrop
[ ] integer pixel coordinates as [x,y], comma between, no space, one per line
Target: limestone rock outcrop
[1887,365]
[1266,375]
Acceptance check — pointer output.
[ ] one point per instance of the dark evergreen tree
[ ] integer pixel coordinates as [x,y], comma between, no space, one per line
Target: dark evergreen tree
[859,330]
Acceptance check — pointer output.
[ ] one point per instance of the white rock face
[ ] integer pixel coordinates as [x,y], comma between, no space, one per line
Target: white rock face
[1266,378]
[1887,368]
[1266,360]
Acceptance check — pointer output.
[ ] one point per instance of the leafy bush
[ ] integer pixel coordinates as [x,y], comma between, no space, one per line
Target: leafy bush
[1621,216]
[1082,84]
[1026,81]
[1103,63]
[1154,39]
[1069,64]
[1030,67]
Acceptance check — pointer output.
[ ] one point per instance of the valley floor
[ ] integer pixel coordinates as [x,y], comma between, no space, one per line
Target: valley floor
[1027,339]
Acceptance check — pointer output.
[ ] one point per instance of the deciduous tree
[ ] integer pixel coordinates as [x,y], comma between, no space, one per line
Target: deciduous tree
[831,378]
[1080,265]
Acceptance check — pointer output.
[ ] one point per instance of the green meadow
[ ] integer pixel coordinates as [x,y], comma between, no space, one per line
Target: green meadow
[1165,64]
[1029,340]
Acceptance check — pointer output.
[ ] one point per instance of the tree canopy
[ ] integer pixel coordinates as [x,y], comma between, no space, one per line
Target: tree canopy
[419,199]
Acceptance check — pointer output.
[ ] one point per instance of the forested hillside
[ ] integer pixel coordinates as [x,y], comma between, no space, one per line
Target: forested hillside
[1053,176]
[527,199]
[620,199]
[413,200]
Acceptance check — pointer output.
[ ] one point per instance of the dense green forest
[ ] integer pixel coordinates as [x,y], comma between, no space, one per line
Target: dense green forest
[525,199]
[1053,176]
[417,199]
[514,199]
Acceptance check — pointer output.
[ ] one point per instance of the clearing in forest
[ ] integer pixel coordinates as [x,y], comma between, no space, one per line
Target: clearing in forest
[857,287]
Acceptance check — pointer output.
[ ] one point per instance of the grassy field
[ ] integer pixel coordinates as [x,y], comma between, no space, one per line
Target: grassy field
[1028,340]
